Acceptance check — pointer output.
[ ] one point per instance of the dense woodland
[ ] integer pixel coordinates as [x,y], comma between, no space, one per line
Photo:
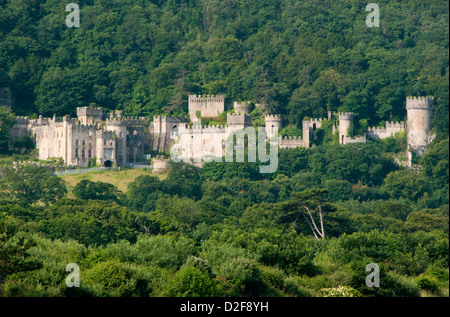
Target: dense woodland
[226,229]
[298,58]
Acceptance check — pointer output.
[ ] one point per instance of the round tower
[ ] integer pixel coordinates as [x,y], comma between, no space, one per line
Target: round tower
[345,126]
[273,125]
[418,122]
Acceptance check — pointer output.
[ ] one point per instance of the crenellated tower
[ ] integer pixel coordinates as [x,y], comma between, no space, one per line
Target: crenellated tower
[345,127]
[207,106]
[419,115]
[274,124]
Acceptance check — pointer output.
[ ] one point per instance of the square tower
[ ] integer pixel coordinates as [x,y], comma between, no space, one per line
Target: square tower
[206,106]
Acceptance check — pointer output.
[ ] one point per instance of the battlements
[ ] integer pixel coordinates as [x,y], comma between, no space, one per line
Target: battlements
[424,103]
[345,116]
[208,106]
[284,137]
[388,125]
[90,111]
[206,98]
[290,142]
[167,119]
[22,120]
[242,120]
[203,129]
[273,118]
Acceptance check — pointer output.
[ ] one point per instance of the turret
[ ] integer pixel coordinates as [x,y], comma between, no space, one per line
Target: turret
[274,124]
[419,115]
[345,126]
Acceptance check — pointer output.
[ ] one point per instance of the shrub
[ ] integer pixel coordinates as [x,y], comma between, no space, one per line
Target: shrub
[291,285]
[427,283]
[191,282]
[273,276]
[244,276]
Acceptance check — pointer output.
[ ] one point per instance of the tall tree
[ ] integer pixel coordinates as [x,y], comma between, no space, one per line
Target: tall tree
[308,203]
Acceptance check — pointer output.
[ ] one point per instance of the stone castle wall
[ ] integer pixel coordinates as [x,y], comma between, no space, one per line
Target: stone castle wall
[208,106]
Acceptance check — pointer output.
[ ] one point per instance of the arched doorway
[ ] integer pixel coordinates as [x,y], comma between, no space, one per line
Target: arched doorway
[107,163]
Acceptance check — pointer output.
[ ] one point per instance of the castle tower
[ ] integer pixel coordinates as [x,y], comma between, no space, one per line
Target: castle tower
[418,123]
[345,127]
[208,106]
[274,124]
[85,113]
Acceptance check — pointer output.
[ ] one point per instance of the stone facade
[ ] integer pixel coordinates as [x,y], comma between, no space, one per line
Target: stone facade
[390,129]
[419,115]
[115,140]
[207,106]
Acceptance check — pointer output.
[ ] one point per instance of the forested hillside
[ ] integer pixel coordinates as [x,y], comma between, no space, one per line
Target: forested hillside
[227,230]
[300,58]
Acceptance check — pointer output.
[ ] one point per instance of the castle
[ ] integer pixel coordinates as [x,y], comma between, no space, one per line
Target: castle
[115,140]
[111,140]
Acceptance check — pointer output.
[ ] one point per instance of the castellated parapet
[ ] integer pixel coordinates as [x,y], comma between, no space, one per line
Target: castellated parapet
[207,105]
[390,129]
[84,113]
[239,121]
[290,142]
[422,103]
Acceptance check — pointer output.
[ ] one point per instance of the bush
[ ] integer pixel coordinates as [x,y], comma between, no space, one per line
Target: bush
[273,276]
[291,285]
[109,278]
[244,276]
[191,282]
[427,283]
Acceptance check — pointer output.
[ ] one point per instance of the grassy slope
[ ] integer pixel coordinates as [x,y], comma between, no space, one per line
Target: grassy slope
[118,178]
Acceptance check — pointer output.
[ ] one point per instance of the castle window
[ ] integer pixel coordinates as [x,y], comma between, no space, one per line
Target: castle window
[174,132]
[104,142]
[90,153]
[120,134]
[83,153]
[77,142]
[76,152]
[84,142]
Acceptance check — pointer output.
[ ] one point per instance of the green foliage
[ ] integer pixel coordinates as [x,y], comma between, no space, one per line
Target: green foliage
[226,229]
[31,184]
[191,282]
[7,120]
[244,276]
[87,189]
